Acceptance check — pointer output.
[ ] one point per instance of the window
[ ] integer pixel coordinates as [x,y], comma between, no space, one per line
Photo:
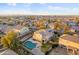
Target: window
[43,41]
[55,32]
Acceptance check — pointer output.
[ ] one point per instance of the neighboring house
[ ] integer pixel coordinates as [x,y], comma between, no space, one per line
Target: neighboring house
[43,35]
[24,30]
[5,28]
[1,33]
[17,28]
[75,28]
[69,41]
[33,28]
[51,25]
[56,25]
[21,30]
[72,23]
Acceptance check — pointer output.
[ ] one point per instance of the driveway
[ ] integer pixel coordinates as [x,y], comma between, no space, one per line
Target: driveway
[58,51]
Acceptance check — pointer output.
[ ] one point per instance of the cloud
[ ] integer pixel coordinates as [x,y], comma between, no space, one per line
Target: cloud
[12,4]
[29,12]
[42,3]
[27,4]
[23,12]
[62,8]
[57,8]
[51,10]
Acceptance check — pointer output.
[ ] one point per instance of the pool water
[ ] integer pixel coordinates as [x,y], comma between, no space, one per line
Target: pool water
[29,45]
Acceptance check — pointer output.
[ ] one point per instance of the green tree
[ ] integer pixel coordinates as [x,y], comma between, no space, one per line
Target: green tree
[15,44]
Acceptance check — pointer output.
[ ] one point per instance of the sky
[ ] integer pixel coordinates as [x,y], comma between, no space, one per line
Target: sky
[39,8]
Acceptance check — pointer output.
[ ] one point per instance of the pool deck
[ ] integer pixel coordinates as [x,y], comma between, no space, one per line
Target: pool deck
[35,51]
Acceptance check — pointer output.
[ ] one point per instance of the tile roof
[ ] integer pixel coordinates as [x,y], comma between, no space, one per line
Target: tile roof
[75,27]
[70,38]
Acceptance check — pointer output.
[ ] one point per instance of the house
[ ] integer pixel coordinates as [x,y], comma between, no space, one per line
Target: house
[33,28]
[5,28]
[51,25]
[1,33]
[75,28]
[24,30]
[71,23]
[69,41]
[43,35]
[56,25]
[21,30]
[17,28]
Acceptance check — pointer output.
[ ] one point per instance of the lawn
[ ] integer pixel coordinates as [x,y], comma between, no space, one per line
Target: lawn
[46,47]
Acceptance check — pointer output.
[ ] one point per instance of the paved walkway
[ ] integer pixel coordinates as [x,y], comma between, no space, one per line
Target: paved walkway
[8,52]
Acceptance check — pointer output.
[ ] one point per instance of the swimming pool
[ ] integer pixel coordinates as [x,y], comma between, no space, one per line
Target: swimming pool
[29,45]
